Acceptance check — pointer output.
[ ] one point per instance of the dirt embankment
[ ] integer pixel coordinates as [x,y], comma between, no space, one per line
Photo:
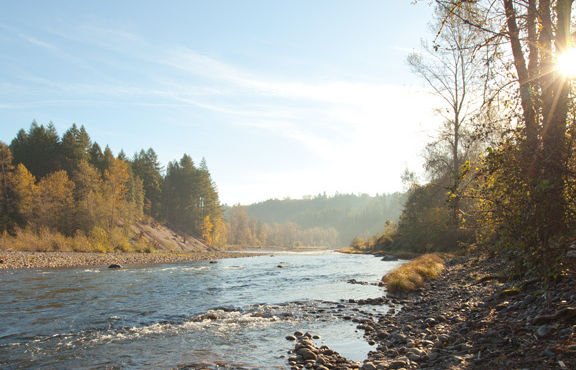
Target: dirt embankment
[167,240]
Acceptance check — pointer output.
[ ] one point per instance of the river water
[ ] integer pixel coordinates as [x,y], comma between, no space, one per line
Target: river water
[237,311]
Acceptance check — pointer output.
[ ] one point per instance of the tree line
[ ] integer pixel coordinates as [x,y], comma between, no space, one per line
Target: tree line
[69,185]
[501,170]
[331,221]
[246,230]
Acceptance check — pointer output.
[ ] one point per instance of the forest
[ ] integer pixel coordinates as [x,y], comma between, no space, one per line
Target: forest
[69,194]
[501,170]
[66,193]
[329,221]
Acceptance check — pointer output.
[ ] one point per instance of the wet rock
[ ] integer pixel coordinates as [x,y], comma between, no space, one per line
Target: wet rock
[280,266]
[114,266]
[306,354]
[290,337]
[388,258]
[213,262]
[210,316]
[225,309]
[298,334]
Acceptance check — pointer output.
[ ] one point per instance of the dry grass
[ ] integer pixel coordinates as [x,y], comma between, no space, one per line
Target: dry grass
[412,275]
[99,240]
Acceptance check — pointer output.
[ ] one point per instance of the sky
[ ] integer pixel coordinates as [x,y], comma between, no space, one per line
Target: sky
[282,98]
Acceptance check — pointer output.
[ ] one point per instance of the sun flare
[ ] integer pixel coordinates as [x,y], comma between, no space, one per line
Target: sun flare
[567,63]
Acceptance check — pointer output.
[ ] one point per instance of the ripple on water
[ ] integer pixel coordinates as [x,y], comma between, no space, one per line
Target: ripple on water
[238,310]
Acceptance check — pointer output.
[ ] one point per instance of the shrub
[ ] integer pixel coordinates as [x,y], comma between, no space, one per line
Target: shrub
[119,240]
[80,242]
[412,275]
[100,241]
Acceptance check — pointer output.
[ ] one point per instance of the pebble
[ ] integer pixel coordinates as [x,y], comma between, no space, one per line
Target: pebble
[34,260]
[455,323]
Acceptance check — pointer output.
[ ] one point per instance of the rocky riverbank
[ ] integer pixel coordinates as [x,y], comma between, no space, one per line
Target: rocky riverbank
[469,318]
[42,260]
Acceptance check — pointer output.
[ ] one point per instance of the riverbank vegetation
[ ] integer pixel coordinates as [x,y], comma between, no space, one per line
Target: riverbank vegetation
[501,171]
[65,193]
[412,275]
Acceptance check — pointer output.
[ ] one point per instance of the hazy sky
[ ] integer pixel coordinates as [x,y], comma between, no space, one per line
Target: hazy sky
[282,97]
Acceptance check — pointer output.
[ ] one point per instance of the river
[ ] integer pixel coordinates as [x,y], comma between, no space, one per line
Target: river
[236,311]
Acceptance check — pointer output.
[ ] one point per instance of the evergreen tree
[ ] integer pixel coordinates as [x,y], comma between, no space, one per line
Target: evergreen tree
[122,156]
[208,202]
[146,166]
[190,200]
[39,149]
[96,157]
[75,147]
[107,159]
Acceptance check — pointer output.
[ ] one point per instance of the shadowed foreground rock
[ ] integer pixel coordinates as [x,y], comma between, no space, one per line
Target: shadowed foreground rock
[468,319]
[307,355]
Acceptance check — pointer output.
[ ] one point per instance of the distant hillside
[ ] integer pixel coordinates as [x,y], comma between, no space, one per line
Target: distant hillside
[351,215]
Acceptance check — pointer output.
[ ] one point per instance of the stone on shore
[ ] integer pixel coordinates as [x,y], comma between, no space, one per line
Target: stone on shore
[34,260]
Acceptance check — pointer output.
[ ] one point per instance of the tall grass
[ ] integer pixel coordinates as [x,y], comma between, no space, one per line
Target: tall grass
[412,275]
[99,240]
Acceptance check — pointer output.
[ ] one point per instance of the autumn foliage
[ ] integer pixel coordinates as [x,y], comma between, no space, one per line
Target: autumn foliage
[66,194]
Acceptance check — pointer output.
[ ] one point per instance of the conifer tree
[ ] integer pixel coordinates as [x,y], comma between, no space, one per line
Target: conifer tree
[107,159]
[96,157]
[75,147]
[146,166]
[39,149]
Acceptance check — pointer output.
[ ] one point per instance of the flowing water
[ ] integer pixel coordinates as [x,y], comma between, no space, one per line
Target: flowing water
[237,311]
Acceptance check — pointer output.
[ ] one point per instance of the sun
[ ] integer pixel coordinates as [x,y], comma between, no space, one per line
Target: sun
[566,63]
